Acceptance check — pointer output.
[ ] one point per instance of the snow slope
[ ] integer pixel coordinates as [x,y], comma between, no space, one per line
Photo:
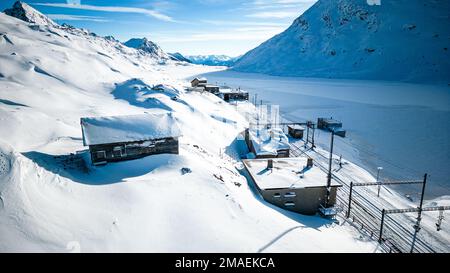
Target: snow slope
[179,57]
[402,40]
[51,201]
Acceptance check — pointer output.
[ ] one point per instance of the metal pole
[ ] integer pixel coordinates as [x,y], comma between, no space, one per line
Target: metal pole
[378,175]
[350,199]
[419,214]
[329,169]
[381,226]
[307,135]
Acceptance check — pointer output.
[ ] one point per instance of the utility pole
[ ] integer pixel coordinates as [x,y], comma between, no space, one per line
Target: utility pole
[329,170]
[378,175]
[419,213]
[307,134]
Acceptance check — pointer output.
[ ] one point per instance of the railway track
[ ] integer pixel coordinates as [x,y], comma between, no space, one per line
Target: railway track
[366,210]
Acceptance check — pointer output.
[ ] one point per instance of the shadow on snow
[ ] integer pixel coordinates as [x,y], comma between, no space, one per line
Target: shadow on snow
[76,168]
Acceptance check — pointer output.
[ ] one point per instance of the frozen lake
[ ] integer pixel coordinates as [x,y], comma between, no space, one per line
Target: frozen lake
[402,127]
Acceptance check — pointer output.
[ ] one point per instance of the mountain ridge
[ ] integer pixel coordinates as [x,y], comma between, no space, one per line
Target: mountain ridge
[401,40]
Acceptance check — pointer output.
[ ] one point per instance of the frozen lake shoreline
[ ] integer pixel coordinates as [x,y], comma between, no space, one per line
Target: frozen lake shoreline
[402,127]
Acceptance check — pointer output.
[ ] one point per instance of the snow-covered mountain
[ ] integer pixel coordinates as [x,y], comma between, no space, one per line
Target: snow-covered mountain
[50,77]
[213,60]
[28,14]
[179,57]
[148,47]
[396,40]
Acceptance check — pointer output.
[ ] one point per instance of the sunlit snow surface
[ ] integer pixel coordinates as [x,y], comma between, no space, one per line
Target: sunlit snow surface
[48,202]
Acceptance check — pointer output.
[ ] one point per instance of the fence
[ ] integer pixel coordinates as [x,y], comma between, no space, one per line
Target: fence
[394,231]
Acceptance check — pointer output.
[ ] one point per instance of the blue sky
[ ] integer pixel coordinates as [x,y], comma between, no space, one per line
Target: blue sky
[230,27]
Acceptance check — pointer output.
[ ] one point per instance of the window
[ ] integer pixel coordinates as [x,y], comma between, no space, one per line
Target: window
[100,154]
[119,151]
[277,195]
[289,194]
[289,204]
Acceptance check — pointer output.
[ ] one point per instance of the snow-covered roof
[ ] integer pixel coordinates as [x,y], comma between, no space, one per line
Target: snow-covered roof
[231,90]
[200,79]
[268,141]
[297,127]
[287,173]
[103,130]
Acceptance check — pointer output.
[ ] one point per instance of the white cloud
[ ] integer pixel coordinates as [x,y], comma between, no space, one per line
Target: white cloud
[70,17]
[149,12]
[237,34]
[243,23]
[274,14]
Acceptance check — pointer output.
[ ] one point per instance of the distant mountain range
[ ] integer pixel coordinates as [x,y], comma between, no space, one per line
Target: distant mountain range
[213,60]
[405,40]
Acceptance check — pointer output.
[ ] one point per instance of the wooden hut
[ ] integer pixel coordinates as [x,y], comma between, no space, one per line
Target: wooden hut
[119,138]
[296,131]
[199,82]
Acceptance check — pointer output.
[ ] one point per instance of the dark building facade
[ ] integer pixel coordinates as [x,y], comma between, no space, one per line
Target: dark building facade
[112,139]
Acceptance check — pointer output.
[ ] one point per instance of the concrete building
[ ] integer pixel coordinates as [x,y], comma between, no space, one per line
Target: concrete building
[291,184]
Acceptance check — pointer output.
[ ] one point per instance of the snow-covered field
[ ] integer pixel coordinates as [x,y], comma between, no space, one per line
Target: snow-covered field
[401,127]
[50,78]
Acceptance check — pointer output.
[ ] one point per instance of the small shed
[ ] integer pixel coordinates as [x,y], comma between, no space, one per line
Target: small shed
[331,124]
[199,82]
[291,184]
[327,123]
[117,138]
[296,131]
[267,143]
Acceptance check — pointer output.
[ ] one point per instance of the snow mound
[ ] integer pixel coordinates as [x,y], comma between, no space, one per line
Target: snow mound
[5,160]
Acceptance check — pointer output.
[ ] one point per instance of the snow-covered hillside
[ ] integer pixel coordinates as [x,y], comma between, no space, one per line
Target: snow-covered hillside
[213,60]
[405,40]
[50,77]
[147,47]
[179,57]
